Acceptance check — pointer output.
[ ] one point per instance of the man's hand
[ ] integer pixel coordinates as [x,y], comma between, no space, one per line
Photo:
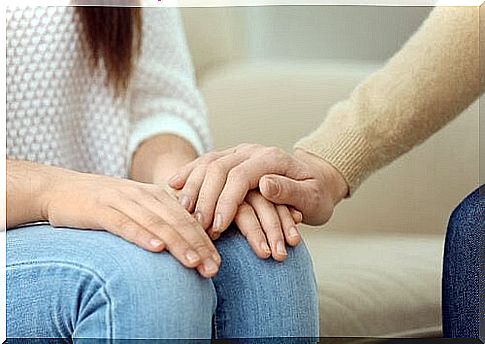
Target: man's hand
[264,224]
[216,184]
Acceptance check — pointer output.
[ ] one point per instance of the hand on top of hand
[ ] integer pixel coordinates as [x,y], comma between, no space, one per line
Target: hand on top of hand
[147,215]
[218,186]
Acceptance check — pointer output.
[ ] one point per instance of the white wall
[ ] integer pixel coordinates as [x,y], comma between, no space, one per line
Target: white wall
[329,32]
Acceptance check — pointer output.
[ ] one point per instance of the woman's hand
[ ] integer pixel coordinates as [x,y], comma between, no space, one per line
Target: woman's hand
[263,224]
[144,214]
[266,226]
[216,184]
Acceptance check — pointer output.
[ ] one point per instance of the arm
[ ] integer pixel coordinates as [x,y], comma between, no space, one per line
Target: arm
[26,186]
[158,157]
[432,79]
[144,214]
[428,82]
[169,122]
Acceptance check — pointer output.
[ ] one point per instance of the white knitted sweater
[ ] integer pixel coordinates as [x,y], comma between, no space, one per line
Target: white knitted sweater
[61,113]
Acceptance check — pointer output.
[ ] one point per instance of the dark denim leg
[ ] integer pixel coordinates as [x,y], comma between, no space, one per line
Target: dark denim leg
[461,281]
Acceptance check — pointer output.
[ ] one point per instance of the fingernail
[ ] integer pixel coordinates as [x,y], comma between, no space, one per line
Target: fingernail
[264,246]
[198,217]
[156,243]
[280,248]
[174,179]
[218,222]
[293,232]
[272,187]
[210,266]
[214,235]
[192,257]
[184,201]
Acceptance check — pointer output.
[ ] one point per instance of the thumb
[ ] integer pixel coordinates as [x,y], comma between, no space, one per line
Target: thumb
[283,190]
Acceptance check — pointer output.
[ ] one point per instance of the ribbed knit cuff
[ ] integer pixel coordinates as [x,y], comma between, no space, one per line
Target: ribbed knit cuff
[347,151]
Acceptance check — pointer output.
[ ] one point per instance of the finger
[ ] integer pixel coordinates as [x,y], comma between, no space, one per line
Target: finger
[213,183]
[270,222]
[245,177]
[296,215]
[283,190]
[190,191]
[179,179]
[121,225]
[288,225]
[188,228]
[175,243]
[248,224]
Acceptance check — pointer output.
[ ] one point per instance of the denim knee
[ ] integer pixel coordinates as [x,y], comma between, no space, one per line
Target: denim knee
[125,292]
[264,298]
[461,268]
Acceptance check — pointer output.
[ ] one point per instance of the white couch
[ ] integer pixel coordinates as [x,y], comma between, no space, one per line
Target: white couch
[378,261]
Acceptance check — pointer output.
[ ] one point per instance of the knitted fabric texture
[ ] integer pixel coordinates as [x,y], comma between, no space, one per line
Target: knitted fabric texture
[61,112]
[432,79]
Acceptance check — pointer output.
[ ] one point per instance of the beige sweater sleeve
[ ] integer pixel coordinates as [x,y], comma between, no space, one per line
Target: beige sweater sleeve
[432,79]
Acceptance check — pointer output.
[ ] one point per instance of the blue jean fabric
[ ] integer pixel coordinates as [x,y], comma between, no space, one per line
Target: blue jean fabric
[64,283]
[463,256]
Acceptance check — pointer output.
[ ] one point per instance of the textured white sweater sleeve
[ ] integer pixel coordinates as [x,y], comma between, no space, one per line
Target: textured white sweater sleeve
[164,97]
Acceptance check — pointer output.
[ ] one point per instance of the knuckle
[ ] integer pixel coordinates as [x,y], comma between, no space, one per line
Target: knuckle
[191,221]
[201,247]
[215,169]
[121,222]
[242,146]
[273,228]
[153,221]
[134,235]
[273,151]
[245,209]
[172,241]
[236,175]
[210,157]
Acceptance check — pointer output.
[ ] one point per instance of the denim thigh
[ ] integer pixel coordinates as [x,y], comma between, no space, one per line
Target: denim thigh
[91,284]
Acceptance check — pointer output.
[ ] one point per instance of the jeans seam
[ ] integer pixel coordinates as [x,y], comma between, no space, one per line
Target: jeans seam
[82,268]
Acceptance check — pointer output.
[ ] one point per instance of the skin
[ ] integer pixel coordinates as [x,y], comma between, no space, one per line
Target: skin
[299,180]
[259,220]
[142,210]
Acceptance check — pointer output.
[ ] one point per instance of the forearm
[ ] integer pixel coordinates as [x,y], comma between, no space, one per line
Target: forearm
[27,183]
[159,157]
[433,78]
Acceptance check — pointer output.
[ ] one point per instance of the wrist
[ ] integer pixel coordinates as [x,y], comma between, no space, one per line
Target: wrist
[330,176]
[54,181]
[28,191]
[159,157]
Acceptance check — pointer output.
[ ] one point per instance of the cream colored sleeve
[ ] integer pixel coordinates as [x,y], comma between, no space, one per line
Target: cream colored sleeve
[433,78]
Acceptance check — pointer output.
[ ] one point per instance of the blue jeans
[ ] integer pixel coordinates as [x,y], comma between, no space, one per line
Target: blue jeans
[64,283]
[464,254]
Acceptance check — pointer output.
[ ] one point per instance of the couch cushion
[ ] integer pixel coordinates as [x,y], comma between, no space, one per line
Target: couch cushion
[377,284]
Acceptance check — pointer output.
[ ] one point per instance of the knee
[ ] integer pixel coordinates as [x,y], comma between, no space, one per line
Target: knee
[253,291]
[241,260]
[465,221]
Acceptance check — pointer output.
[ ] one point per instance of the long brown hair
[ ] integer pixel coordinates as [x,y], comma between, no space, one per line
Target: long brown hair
[113,35]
